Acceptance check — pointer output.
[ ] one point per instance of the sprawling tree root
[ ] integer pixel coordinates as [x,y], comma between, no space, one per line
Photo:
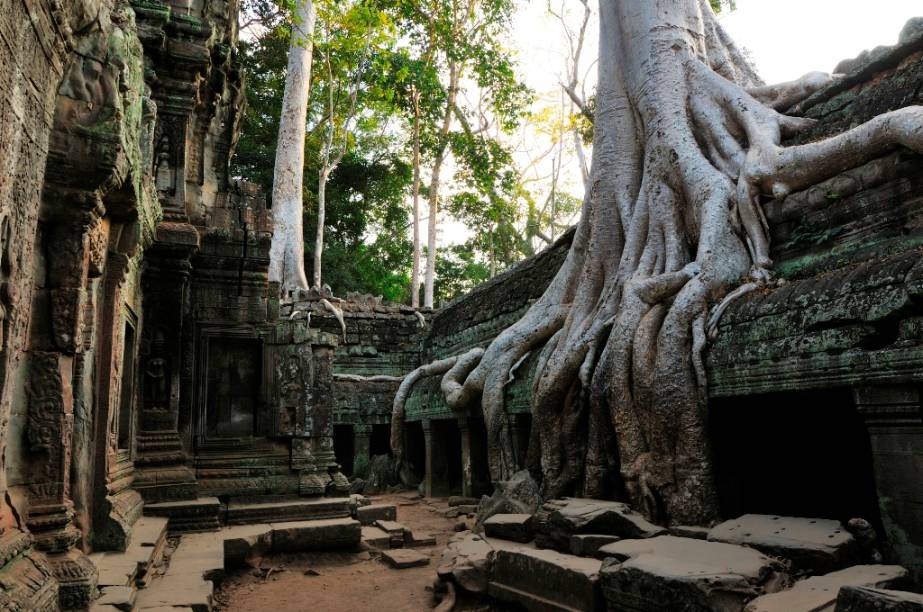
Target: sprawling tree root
[687,140]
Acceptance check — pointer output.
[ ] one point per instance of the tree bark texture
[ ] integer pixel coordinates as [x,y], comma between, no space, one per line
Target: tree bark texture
[286,259]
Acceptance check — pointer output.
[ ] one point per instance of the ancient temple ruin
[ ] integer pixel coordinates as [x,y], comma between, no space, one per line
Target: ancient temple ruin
[153,381]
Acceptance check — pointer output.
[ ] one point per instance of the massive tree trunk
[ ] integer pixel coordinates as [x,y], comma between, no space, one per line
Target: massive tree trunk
[687,140]
[286,258]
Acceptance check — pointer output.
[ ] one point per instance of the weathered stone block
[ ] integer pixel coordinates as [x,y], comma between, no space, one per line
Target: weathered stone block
[403,558]
[330,534]
[820,592]
[514,527]
[815,545]
[588,544]
[868,599]
[559,519]
[670,573]
[545,580]
[375,537]
[367,515]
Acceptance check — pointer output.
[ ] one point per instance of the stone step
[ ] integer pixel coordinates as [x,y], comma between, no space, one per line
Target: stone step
[297,509]
[145,549]
[188,516]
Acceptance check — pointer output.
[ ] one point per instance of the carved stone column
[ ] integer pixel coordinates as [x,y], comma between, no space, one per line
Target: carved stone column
[162,470]
[301,382]
[361,454]
[465,435]
[430,463]
[894,419]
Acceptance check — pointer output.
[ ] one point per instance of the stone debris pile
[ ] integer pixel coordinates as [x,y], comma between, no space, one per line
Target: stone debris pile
[590,555]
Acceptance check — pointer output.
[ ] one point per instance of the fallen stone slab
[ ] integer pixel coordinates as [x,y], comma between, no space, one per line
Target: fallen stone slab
[670,573]
[375,537]
[467,557]
[542,579]
[367,515]
[559,519]
[869,599]
[329,534]
[588,544]
[403,558]
[819,593]
[513,527]
[397,532]
[814,545]
[462,501]
[470,509]
[417,539]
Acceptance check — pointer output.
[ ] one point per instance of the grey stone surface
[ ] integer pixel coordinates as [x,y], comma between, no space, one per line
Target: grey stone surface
[869,599]
[670,573]
[820,592]
[514,527]
[815,545]
[402,558]
[545,580]
[120,597]
[588,544]
[518,495]
[559,519]
[456,500]
[329,534]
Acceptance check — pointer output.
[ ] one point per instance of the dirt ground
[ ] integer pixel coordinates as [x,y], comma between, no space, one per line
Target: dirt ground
[345,581]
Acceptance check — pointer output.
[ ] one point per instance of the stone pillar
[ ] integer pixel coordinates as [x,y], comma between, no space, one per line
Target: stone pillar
[301,384]
[361,454]
[515,426]
[428,441]
[894,420]
[465,435]
[55,342]
[162,473]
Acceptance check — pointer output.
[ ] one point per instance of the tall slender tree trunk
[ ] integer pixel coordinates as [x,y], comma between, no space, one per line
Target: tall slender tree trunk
[415,274]
[321,219]
[286,258]
[434,188]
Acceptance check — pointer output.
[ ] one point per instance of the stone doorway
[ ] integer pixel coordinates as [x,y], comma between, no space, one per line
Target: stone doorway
[794,454]
[233,383]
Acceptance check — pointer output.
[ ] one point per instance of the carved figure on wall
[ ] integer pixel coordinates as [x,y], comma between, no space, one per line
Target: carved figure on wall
[164,174]
[157,376]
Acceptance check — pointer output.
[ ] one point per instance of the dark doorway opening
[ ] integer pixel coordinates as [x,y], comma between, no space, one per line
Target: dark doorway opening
[415,450]
[234,371]
[796,454]
[480,469]
[380,440]
[127,393]
[343,447]
[523,424]
[447,465]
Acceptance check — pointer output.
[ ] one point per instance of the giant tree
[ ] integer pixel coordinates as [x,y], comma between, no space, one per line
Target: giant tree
[687,141]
